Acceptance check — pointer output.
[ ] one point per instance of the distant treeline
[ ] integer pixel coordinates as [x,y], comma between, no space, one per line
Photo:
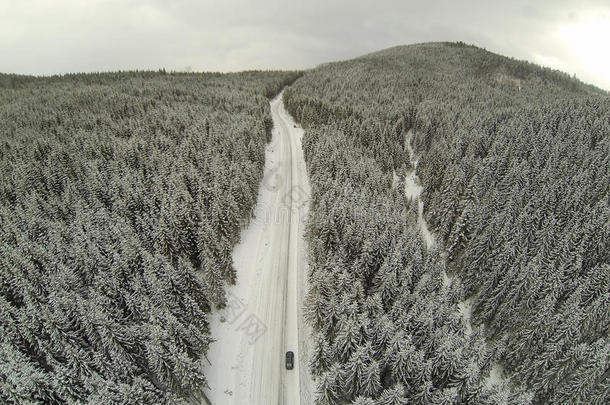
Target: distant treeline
[514,162]
[121,198]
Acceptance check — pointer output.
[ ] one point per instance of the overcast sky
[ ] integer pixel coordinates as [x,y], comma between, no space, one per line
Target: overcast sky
[59,36]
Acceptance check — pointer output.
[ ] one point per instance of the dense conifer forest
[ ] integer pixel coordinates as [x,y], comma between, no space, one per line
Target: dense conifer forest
[121,198]
[513,159]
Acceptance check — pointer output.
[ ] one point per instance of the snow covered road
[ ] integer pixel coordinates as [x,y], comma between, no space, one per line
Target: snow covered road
[263,318]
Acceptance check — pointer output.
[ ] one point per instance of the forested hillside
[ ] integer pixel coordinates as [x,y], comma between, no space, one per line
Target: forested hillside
[121,197]
[514,163]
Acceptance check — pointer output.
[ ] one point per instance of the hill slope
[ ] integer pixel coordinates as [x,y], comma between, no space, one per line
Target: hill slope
[513,160]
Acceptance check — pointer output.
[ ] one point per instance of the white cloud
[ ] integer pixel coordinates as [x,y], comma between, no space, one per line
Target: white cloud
[586,39]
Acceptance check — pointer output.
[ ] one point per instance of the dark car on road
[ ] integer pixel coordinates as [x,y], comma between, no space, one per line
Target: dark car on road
[289,360]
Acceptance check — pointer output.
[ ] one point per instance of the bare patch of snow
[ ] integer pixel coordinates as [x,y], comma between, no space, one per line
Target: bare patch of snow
[413,190]
[496,375]
[423,226]
[412,187]
[446,279]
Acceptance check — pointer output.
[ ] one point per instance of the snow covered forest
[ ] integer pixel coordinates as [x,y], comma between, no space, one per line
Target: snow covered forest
[513,160]
[121,198]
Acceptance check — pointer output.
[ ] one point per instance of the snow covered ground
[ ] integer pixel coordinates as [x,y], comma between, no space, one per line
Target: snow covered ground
[263,316]
[413,189]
